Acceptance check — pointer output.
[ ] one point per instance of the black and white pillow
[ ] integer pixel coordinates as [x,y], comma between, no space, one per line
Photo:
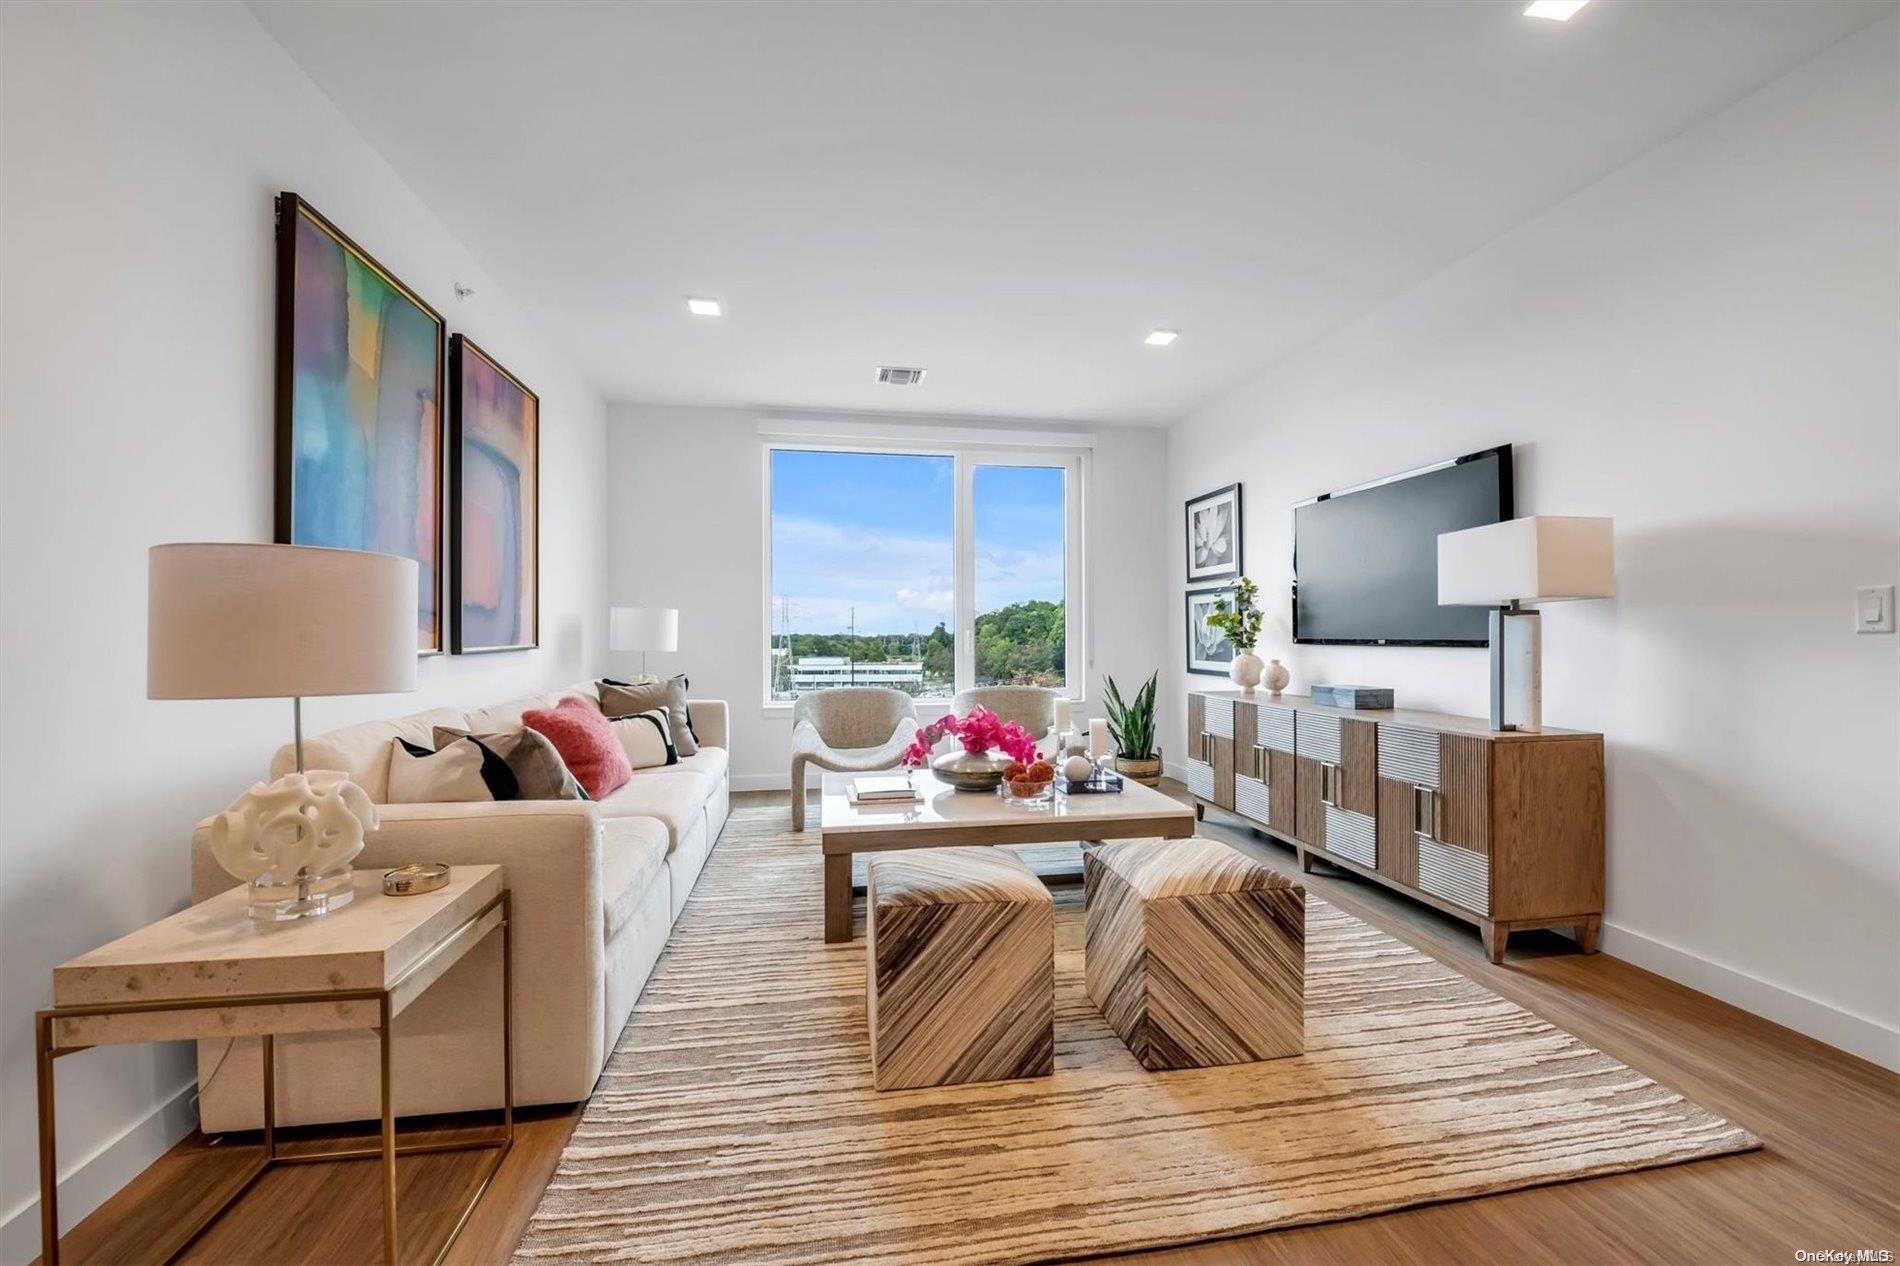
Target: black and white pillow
[647,739]
[525,754]
[624,699]
[462,771]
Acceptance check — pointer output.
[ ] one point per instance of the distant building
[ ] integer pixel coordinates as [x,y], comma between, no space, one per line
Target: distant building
[815,672]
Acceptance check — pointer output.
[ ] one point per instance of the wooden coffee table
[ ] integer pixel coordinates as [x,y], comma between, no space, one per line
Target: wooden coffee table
[948,818]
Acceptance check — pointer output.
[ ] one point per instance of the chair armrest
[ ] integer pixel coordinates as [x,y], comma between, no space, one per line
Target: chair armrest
[711,721]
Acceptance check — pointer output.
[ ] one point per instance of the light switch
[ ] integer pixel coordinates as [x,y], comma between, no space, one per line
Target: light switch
[1873,609]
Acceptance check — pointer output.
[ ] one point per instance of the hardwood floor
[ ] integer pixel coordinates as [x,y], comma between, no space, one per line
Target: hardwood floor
[1828,1177]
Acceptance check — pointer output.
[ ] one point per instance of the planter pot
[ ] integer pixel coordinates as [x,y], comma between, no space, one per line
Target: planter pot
[1146,772]
[1246,669]
[971,771]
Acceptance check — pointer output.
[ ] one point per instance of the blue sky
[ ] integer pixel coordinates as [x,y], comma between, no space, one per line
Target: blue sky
[874,531]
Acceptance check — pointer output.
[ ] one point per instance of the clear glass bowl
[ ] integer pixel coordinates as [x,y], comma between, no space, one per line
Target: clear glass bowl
[1044,793]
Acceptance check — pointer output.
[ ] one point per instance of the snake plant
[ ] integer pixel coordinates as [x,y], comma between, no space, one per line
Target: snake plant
[1132,725]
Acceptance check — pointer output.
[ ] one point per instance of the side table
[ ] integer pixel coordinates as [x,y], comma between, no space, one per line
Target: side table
[210,971]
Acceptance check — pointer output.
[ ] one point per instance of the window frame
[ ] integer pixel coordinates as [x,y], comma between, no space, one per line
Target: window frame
[965,458]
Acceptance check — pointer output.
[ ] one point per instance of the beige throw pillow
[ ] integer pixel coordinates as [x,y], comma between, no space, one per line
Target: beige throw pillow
[619,699]
[647,739]
[452,775]
[538,771]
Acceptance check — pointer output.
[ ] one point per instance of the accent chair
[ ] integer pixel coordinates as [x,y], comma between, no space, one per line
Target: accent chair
[1032,707]
[848,730]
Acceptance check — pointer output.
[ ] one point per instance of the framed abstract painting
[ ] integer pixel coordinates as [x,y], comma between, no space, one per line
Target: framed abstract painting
[359,406]
[494,504]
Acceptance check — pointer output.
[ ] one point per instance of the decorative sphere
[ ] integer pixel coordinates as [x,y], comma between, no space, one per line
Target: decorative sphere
[1078,769]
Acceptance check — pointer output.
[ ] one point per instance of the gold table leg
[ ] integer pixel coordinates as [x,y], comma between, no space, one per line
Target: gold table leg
[389,1144]
[49,1161]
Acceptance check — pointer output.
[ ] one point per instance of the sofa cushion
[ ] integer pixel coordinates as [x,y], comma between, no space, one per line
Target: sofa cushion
[498,718]
[632,855]
[586,742]
[674,795]
[623,699]
[710,761]
[460,770]
[647,739]
[362,750]
[525,755]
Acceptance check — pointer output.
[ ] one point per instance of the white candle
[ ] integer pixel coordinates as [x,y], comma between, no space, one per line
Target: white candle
[1064,717]
[1098,738]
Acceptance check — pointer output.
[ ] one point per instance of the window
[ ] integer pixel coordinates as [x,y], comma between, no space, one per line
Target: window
[927,571]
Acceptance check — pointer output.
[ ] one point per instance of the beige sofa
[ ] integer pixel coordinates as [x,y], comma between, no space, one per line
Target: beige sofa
[596,887]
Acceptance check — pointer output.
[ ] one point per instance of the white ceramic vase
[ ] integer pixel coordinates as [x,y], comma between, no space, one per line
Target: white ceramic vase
[1276,677]
[1246,669]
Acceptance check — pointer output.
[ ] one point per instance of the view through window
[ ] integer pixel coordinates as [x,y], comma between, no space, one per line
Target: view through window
[1021,621]
[866,583]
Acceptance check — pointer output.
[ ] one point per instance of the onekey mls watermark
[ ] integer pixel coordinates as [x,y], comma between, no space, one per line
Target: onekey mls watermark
[1843,1256]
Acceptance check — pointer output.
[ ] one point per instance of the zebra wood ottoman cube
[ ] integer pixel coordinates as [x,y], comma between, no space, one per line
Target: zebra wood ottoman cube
[960,961]
[1195,953]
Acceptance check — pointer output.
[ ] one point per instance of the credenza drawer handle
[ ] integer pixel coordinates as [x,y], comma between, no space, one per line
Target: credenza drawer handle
[1425,811]
[1329,784]
[1259,762]
[1207,747]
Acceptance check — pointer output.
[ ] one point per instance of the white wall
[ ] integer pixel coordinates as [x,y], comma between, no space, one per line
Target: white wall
[1704,345]
[141,145]
[685,531]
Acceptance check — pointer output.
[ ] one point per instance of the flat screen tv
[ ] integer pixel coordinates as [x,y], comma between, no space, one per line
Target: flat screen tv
[1365,559]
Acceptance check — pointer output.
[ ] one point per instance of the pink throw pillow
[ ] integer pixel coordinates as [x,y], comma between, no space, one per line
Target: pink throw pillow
[587,743]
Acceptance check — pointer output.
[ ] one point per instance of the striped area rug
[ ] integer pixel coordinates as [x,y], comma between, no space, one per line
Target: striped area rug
[736,1122]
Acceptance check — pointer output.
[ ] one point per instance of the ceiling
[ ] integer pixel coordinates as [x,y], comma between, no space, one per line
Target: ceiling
[1010,195]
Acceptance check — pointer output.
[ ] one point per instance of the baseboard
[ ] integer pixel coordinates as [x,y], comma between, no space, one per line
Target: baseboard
[1856,1034]
[1174,770]
[761,782]
[90,1182]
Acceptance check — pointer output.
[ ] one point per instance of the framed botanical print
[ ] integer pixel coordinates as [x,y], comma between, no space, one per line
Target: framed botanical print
[1213,535]
[1208,649]
[494,504]
[359,406]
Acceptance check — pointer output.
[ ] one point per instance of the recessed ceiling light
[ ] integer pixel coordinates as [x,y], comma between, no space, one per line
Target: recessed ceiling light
[703,307]
[1161,338]
[1555,10]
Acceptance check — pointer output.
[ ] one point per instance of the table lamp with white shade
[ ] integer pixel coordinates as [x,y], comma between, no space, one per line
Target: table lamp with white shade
[1540,558]
[644,629]
[248,621]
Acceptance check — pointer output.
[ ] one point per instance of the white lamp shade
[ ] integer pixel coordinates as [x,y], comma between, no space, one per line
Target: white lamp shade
[1539,558]
[644,629]
[245,621]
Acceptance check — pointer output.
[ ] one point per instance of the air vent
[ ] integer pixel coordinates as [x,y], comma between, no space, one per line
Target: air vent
[899,377]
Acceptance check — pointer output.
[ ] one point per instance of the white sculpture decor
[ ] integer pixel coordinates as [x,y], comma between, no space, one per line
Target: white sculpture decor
[293,840]
[1276,677]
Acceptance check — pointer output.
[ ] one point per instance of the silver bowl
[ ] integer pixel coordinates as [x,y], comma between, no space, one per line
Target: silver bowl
[971,771]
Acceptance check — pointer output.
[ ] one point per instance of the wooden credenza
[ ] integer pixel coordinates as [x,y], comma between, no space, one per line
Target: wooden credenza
[1501,828]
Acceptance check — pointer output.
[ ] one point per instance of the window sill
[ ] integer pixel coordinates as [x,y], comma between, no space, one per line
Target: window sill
[928,709]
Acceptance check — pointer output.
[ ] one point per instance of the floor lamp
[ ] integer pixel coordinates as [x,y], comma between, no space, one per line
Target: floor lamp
[1540,558]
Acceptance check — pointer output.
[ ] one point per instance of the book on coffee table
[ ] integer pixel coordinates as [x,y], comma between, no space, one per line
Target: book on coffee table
[887,789]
